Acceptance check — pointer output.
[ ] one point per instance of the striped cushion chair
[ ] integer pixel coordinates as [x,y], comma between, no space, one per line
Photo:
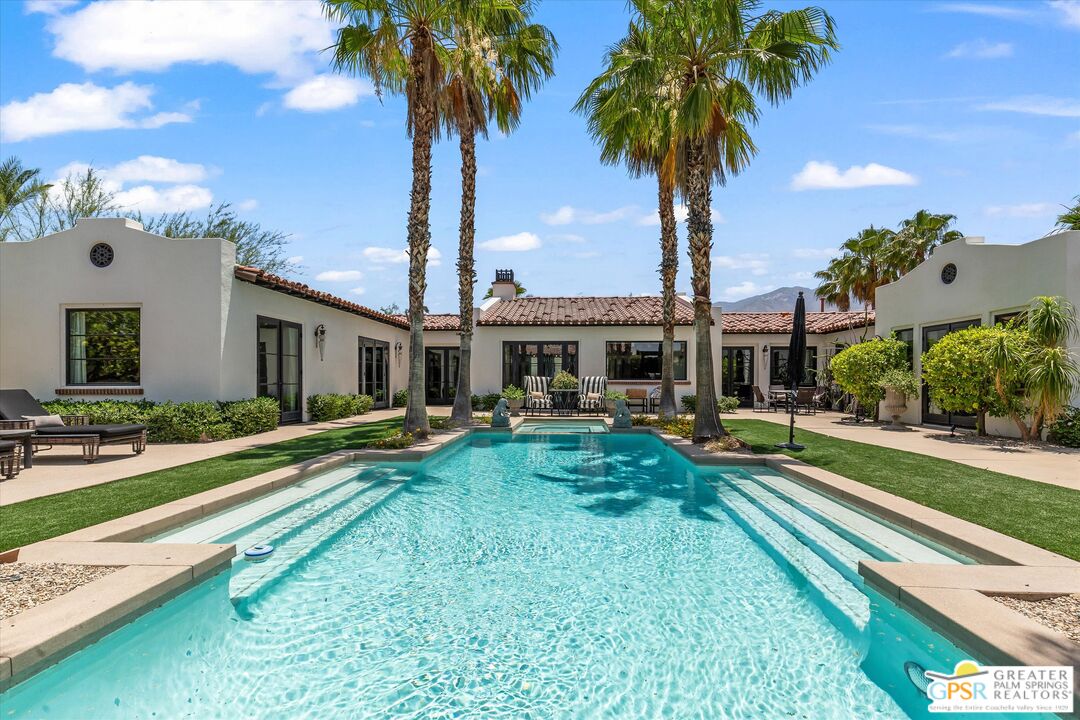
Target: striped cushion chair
[537,384]
[592,385]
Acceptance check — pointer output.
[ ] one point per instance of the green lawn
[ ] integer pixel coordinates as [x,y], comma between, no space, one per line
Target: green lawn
[1041,514]
[1044,515]
[47,517]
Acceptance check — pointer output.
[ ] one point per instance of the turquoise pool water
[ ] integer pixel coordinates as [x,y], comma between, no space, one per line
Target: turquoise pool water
[536,577]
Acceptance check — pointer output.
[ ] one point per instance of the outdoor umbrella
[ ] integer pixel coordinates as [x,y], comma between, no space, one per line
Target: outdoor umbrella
[796,357]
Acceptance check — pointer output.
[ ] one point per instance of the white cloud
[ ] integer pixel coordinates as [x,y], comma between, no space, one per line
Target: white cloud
[390,256]
[815,253]
[740,291]
[357,291]
[981,50]
[1036,105]
[247,205]
[1023,210]
[295,260]
[72,107]
[339,276]
[1002,11]
[178,198]
[281,37]
[327,92]
[48,7]
[826,176]
[512,243]
[151,168]
[681,213]
[568,214]
[757,264]
[567,238]
[922,133]
[1069,10]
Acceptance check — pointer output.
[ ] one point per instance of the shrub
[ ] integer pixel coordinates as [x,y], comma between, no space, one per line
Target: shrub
[513,392]
[394,441]
[900,381]
[102,412]
[689,403]
[401,397]
[440,422]
[251,416]
[333,406]
[859,369]
[614,395]
[487,402]
[563,381]
[1066,429]
[187,422]
[681,426]
[723,404]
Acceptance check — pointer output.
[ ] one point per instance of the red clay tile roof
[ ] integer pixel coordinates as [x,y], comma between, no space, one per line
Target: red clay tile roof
[637,310]
[436,321]
[289,287]
[780,322]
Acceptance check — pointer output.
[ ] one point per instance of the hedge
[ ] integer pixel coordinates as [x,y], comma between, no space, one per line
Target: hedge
[333,406]
[184,422]
[723,404]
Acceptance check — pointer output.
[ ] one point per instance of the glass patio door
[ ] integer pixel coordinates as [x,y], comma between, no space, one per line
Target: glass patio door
[441,374]
[279,365]
[373,369]
[737,374]
[931,413]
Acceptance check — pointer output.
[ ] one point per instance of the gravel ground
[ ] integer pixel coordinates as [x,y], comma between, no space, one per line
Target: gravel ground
[24,585]
[1060,613]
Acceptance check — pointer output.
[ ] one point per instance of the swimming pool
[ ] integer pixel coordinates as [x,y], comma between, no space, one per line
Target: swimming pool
[534,576]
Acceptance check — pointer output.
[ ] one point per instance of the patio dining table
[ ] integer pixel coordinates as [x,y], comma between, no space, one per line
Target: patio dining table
[564,402]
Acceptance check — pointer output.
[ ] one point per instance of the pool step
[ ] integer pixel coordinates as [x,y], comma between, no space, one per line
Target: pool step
[846,606]
[311,527]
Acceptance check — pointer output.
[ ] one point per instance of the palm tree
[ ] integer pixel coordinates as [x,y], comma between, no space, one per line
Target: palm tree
[18,186]
[917,238]
[635,129]
[519,289]
[404,46]
[491,71]
[1070,219]
[721,55]
[860,269]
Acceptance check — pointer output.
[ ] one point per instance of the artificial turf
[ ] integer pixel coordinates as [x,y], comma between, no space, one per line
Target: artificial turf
[1038,513]
[46,517]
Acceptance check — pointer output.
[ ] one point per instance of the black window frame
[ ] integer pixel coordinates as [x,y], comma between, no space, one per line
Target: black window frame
[511,367]
[613,377]
[284,416]
[910,342]
[810,379]
[68,359]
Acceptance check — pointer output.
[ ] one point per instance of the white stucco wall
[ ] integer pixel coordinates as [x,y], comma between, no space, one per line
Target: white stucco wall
[177,284]
[991,280]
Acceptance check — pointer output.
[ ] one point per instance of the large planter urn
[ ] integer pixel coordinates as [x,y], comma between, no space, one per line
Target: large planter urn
[895,405]
[515,405]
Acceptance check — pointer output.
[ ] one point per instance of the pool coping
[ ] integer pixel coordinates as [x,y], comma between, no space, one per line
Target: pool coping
[957,605]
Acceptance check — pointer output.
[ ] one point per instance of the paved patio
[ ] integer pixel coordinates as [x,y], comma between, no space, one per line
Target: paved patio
[1047,464]
[62,468]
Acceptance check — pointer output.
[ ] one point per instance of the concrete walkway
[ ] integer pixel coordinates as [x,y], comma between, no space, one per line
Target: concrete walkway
[62,468]
[1044,463]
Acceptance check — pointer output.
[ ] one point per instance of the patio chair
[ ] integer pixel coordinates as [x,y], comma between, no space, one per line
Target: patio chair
[9,458]
[821,395]
[763,403]
[18,409]
[537,397]
[591,399]
[638,397]
[804,400]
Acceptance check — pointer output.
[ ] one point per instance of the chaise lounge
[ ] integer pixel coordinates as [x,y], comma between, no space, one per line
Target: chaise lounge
[9,458]
[18,409]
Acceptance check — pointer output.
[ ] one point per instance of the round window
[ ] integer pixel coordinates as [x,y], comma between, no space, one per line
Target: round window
[948,273]
[101,255]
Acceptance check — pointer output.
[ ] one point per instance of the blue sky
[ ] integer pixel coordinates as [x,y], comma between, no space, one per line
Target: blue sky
[971,108]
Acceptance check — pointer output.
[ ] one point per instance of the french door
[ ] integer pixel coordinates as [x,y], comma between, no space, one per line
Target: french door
[441,374]
[737,374]
[931,413]
[279,360]
[374,370]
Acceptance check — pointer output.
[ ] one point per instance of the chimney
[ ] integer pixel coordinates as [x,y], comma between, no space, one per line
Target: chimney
[504,288]
[822,304]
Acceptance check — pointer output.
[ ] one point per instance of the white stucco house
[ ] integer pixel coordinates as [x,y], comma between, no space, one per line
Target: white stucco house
[971,282]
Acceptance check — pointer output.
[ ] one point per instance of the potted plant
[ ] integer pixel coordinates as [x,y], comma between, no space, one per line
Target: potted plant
[609,400]
[563,381]
[899,385]
[514,396]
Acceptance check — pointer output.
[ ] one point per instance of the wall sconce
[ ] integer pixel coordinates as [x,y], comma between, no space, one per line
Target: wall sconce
[397,352]
[764,349]
[320,340]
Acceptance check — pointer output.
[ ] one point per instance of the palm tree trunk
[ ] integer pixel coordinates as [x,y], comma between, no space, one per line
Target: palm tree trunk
[699,225]
[462,412]
[419,232]
[669,267]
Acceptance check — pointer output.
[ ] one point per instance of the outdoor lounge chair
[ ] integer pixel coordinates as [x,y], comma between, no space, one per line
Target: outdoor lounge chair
[533,403]
[763,403]
[9,458]
[17,406]
[637,397]
[595,385]
[804,400]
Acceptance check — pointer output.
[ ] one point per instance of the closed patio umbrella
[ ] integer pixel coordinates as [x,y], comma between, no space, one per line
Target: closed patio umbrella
[796,372]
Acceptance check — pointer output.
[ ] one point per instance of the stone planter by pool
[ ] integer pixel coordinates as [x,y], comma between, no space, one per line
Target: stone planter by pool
[895,405]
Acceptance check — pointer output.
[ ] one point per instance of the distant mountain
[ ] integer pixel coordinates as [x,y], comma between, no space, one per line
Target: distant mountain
[778,300]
